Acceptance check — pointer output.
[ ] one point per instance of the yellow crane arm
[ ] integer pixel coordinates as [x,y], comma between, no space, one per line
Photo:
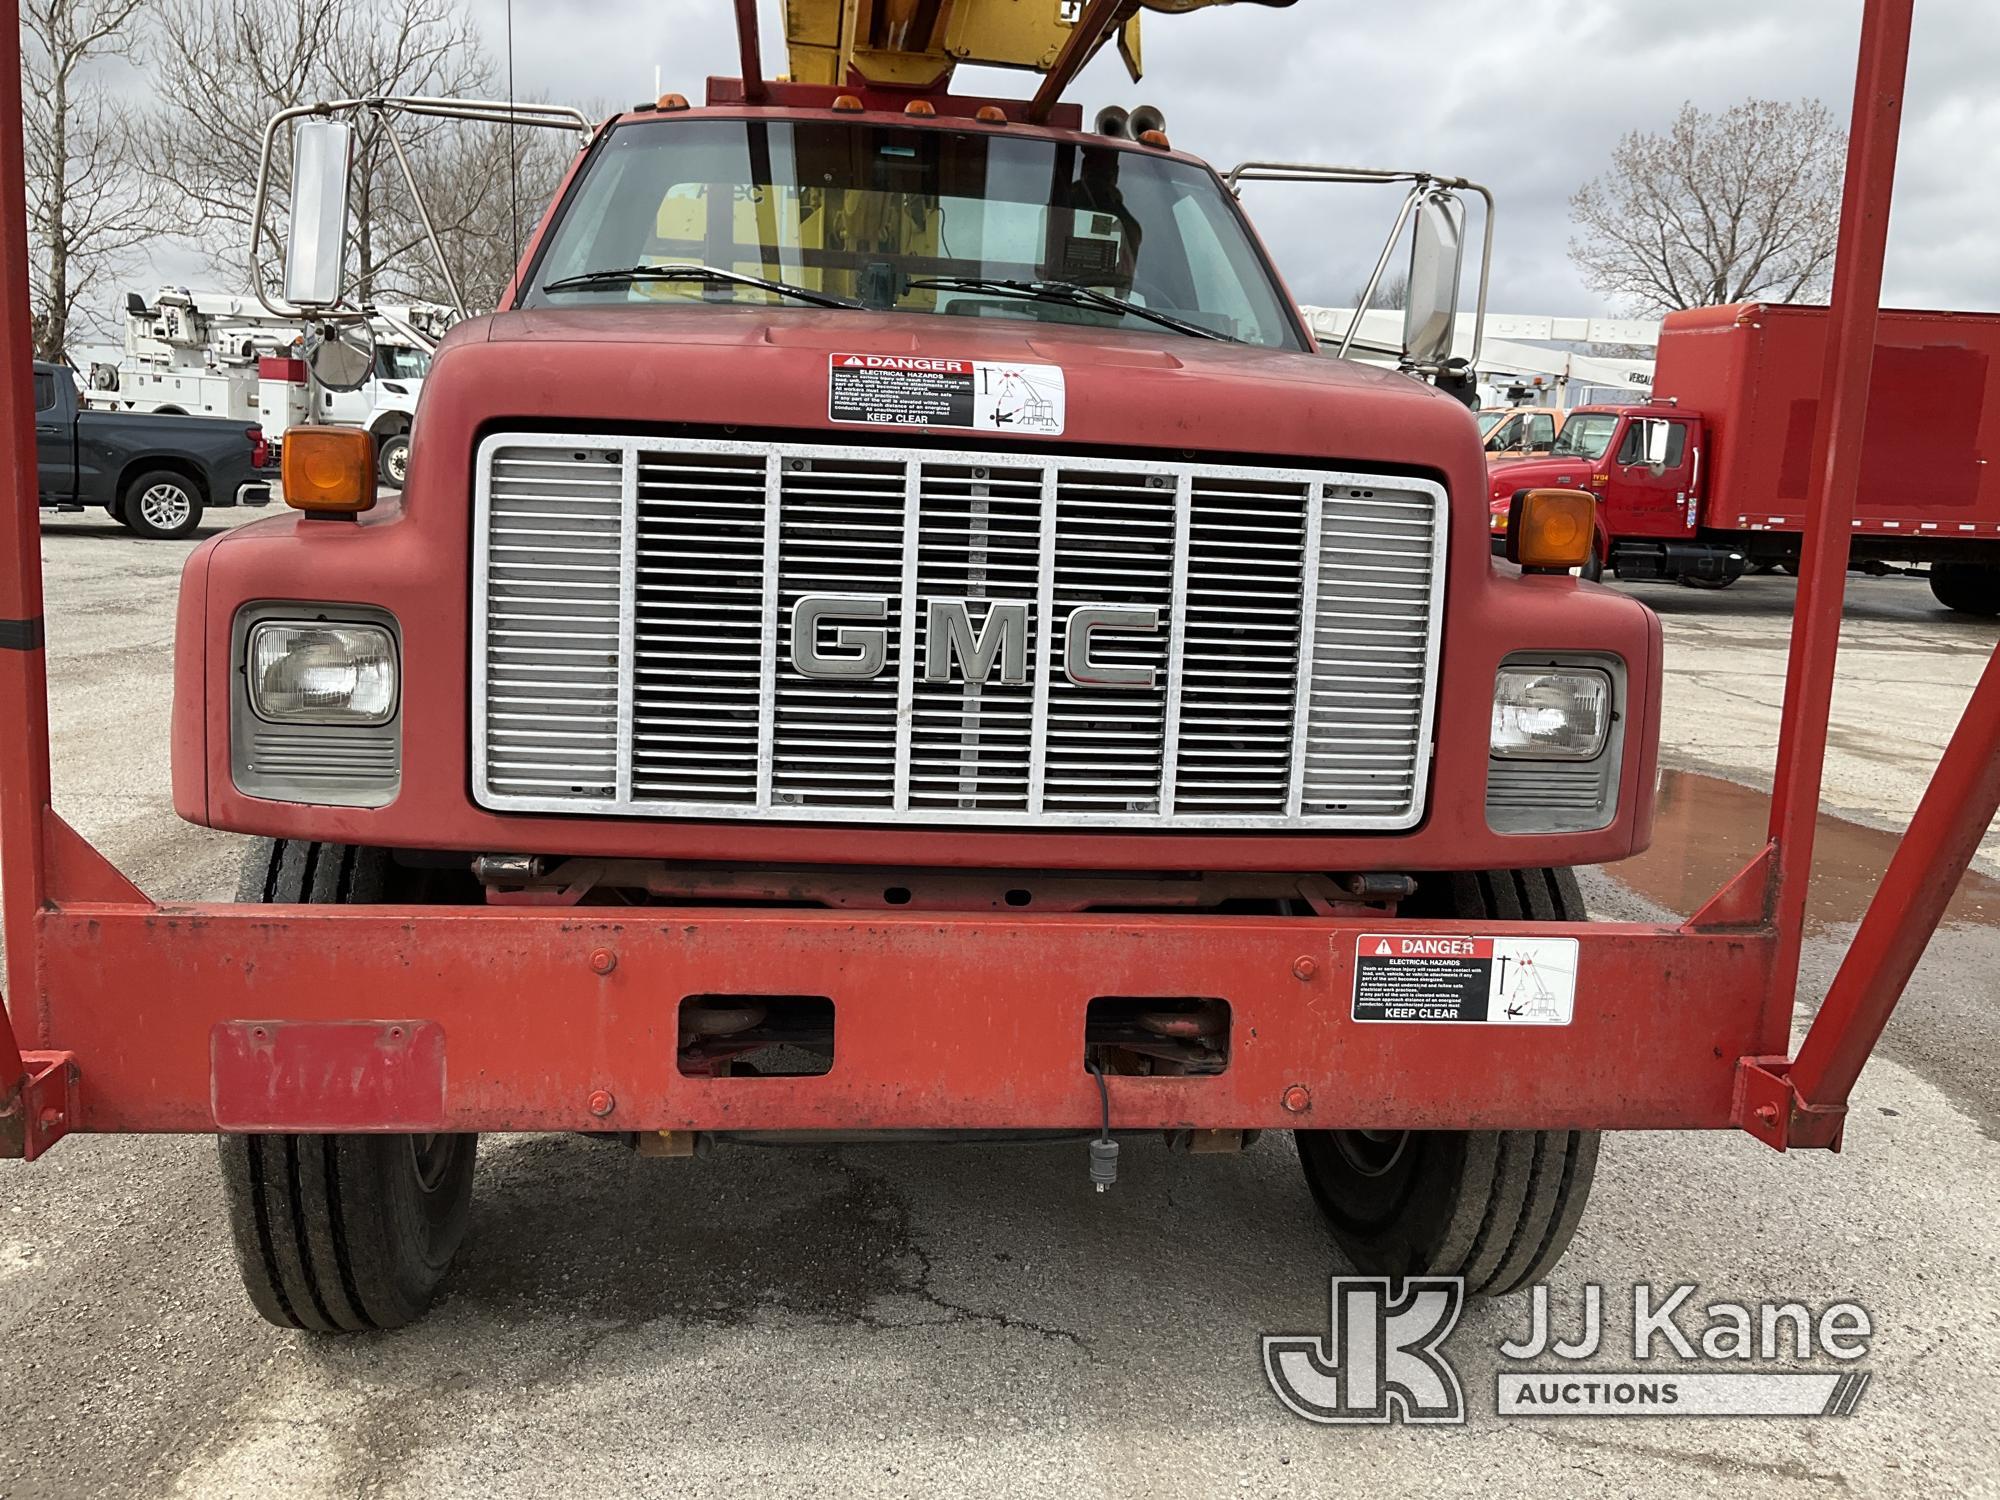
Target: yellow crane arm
[916,44]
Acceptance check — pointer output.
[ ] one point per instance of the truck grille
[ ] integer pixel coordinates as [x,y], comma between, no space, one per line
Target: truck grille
[633,652]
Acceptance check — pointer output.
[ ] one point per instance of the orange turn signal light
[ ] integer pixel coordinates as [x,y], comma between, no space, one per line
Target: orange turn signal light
[847,104]
[923,109]
[991,114]
[1551,528]
[329,470]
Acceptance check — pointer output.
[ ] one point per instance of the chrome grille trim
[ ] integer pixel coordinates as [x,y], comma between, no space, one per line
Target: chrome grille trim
[654,680]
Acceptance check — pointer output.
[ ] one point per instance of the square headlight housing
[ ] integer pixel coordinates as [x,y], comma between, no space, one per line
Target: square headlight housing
[1558,713]
[325,672]
[315,704]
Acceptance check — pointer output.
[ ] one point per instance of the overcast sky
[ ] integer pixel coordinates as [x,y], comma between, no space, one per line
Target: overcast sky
[1527,98]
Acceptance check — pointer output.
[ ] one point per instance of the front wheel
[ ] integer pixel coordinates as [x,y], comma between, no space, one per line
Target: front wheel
[1497,1207]
[393,459]
[161,505]
[343,1233]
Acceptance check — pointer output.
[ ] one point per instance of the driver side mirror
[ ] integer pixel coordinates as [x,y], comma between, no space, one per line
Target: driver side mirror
[1430,314]
[316,250]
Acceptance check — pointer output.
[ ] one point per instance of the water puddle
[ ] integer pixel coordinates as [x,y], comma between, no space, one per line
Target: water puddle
[1706,829]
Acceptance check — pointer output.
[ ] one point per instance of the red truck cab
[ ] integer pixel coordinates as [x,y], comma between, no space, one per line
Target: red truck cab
[1644,465]
[944,522]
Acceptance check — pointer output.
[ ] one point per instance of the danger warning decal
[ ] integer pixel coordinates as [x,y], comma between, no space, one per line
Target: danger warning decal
[1433,977]
[907,390]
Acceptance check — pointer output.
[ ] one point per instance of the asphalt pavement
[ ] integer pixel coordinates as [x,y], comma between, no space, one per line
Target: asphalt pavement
[911,1321]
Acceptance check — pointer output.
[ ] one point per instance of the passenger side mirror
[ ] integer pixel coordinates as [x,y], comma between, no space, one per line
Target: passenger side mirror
[316,250]
[1656,444]
[1437,258]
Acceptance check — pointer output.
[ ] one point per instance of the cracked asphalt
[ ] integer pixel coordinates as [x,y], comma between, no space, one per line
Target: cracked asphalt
[898,1320]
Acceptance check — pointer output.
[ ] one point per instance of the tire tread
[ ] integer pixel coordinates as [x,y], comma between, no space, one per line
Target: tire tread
[319,1242]
[1510,1200]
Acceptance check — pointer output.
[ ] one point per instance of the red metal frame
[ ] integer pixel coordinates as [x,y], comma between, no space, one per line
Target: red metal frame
[138,1016]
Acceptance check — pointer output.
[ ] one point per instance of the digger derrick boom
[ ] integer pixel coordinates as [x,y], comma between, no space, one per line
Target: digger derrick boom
[917,44]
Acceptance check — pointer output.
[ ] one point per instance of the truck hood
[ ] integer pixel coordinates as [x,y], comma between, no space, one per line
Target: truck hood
[1536,473]
[729,366]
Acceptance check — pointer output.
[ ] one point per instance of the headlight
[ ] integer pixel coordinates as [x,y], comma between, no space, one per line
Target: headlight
[304,672]
[1543,713]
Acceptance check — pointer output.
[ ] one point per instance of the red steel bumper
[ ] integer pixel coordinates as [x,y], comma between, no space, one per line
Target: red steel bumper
[496,1021]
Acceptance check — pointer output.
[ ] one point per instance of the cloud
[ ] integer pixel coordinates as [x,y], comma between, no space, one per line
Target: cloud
[1527,99]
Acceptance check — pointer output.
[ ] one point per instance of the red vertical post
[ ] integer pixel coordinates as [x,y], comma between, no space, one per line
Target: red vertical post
[752,50]
[1836,472]
[24,697]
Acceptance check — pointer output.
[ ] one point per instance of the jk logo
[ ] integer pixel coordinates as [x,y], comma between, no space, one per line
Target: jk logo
[1380,1360]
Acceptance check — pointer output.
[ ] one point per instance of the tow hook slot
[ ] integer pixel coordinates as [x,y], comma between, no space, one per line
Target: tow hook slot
[1156,1036]
[755,1036]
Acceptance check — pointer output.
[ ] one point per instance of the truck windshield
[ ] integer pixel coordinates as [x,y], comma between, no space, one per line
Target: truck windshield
[1586,435]
[985,225]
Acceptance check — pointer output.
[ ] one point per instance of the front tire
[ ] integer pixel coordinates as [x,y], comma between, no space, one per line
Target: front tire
[393,459]
[343,1233]
[161,506]
[346,1233]
[1497,1207]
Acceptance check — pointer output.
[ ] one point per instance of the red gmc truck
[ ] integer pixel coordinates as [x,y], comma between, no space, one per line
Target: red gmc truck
[924,512]
[1710,476]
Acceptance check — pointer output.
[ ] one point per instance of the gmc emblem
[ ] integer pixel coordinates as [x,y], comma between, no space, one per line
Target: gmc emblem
[845,636]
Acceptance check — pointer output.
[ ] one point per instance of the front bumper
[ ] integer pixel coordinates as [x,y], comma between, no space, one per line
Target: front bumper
[310,1018]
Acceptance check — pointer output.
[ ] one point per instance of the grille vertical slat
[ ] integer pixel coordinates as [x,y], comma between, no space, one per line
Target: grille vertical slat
[1372,638]
[834,744]
[685,560]
[554,524]
[698,627]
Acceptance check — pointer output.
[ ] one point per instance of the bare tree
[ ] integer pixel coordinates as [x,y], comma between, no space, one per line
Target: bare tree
[1734,207]
[244,60]
[1391,292]
[87,208]
[485,212]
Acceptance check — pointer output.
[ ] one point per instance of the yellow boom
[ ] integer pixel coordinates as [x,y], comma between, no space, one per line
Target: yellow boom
[915,44]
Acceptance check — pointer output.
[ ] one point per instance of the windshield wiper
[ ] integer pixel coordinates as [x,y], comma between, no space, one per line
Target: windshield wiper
[633,274]
[1070,293]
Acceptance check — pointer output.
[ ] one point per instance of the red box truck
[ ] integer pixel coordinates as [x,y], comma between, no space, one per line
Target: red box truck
[1710,476]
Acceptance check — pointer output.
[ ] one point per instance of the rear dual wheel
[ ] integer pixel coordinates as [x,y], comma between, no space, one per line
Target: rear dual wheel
[1970,588]
[1496,1207]
[343,1233]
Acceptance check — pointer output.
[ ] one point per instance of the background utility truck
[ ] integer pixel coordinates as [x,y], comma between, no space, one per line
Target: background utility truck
[1710,476]
[878,501]
[213,354]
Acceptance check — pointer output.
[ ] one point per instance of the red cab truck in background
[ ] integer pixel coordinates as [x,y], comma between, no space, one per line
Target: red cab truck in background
[1709,478]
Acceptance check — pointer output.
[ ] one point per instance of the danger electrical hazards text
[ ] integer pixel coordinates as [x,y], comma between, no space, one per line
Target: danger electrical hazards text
[1436,977]
[908,390]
